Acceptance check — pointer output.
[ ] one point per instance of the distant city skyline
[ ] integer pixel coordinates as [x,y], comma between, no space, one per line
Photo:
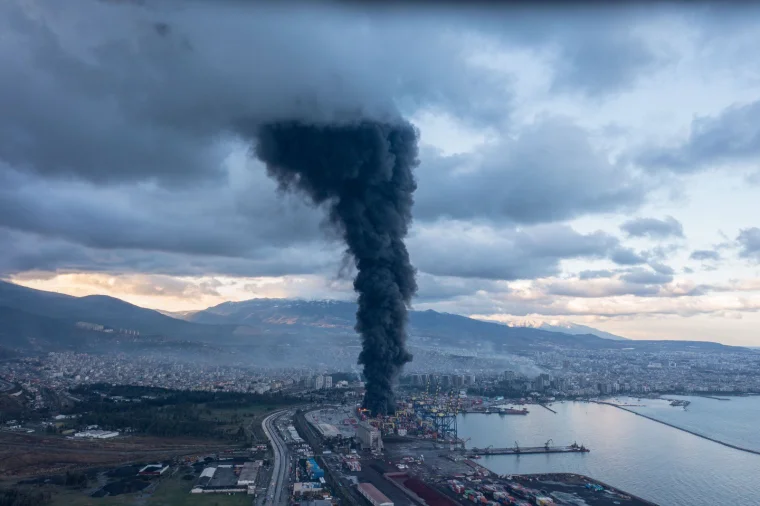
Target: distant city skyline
[588,165]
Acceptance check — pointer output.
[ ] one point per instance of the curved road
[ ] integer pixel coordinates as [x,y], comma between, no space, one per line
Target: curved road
[279,472]
[5,385]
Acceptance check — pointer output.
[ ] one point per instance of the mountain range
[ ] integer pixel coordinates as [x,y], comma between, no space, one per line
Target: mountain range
[37,320]
[565,328]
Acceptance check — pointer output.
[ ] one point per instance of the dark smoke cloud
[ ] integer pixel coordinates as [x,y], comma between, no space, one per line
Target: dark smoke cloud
[362,173]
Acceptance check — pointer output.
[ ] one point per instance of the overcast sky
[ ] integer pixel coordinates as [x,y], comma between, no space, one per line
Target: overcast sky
[588,165]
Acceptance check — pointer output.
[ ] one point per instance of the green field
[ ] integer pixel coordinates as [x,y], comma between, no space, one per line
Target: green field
[249,417]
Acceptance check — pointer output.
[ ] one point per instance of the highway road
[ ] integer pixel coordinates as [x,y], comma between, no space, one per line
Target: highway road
[5,386]
[281,461]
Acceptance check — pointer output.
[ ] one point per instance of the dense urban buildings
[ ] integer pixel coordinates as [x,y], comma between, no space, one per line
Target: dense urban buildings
[568,372]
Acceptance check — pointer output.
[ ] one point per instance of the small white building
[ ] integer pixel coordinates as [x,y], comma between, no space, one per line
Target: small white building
[96,434]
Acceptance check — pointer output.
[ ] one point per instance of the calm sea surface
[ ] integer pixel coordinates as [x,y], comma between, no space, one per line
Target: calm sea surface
[643,457]
[729,421]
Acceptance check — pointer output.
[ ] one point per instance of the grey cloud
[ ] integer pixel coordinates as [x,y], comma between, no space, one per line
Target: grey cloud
[662,268]
[456,249]
[662,251]
[703,255]
[731,136]
[438,288]
[550,172]
[626,256]
[158,104]
[594,290]
[31,252]
[598,50]
[241,225]
[659,274]
[595,274]
[636,283]
[645,277]
[604,61]
[221,219]
[749,243]
[653,228]
[99,92]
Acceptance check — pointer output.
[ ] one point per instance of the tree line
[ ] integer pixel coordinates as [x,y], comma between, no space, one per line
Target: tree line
[165,413]
[19,497]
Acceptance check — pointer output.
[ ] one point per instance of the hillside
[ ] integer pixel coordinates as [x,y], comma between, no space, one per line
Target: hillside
[19,329]
[329,317]
[39,320]
[108,311]
[339,314]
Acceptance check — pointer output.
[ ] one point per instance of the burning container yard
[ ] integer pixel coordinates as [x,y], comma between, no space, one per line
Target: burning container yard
[414,456]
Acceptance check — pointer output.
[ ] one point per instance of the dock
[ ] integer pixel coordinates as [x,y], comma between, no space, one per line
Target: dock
[714,398]
[528,450]
[547,407]
[495,411]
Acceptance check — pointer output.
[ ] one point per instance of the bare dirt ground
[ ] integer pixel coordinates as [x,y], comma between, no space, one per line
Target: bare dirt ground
[24,455]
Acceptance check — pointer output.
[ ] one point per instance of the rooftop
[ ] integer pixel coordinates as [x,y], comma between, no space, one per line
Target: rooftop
[223,477]
[370,490]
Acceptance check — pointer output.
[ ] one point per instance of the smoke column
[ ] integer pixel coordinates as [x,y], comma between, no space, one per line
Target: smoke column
[363,173]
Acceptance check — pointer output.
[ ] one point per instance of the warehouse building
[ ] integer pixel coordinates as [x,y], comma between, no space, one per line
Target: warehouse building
[369,436]
[373,495]
[248,473]
[228,478]
[307,488]
[328,430]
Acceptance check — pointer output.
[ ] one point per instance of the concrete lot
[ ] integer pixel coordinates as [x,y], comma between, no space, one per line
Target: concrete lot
[223,477]
[335,416]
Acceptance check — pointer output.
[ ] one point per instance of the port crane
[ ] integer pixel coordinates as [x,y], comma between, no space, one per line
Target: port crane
[546,445]
[458,442]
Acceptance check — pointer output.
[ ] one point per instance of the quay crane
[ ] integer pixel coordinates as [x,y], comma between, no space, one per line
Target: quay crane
[458,442]
[546,445]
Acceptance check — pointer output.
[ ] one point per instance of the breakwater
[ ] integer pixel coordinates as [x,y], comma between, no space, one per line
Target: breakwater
[527,450]
[735,447]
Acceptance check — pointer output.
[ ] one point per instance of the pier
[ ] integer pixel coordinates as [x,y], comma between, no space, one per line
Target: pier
[528,450]
[713,398]
[547,407]
[495,411]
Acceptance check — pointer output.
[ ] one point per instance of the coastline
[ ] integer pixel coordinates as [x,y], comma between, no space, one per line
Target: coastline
[729,445]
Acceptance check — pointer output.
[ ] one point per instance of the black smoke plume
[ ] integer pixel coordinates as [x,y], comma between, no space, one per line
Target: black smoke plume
[362,172]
